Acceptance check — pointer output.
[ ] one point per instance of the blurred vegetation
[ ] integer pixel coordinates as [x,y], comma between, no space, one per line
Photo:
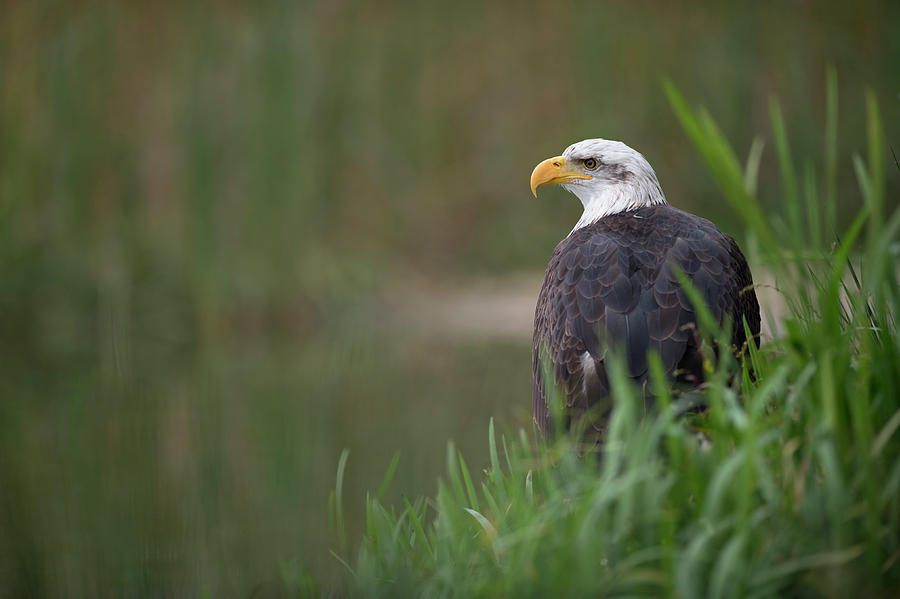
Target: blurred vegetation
[202,204]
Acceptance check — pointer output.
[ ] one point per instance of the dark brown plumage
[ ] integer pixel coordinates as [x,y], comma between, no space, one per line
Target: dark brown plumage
[611,284]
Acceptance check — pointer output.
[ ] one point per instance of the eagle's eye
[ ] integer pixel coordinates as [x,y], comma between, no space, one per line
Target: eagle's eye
[590,163]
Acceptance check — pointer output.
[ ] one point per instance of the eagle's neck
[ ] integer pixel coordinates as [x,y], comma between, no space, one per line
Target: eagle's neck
[616,197]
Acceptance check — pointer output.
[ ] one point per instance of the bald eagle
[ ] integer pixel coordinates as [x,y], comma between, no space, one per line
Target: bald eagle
[611,283]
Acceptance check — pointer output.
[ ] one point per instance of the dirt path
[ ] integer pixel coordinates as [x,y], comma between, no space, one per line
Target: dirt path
[503,308]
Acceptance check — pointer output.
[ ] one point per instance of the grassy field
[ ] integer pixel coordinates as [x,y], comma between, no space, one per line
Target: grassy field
[204,208]
[795,490]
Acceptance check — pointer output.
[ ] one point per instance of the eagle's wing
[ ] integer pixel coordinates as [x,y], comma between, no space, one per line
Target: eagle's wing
[605,290]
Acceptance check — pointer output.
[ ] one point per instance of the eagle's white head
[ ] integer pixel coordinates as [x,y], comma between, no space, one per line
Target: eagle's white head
[607,176]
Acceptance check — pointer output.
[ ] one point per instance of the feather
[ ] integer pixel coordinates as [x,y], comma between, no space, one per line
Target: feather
[611,284]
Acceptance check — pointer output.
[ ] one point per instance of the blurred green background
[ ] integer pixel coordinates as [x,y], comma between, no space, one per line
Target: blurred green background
[238,238]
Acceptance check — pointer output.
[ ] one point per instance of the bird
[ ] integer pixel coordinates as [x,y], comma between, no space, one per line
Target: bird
[612,285]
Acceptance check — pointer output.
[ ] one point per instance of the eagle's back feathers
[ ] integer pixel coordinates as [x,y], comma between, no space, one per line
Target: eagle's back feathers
[611,284]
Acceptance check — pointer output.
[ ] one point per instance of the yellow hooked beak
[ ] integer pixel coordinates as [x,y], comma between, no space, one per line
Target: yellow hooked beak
[552,171]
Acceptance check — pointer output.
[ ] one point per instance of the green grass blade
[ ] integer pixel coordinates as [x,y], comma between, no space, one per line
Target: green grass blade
[831,150]
[339,501]
[751,170]
[813,206]
[452,465]
[420,536]
[788,174]
[467,479]
[876,162]
[388,477]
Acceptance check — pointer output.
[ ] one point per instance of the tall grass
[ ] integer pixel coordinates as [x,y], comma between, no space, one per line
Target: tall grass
[798,492]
